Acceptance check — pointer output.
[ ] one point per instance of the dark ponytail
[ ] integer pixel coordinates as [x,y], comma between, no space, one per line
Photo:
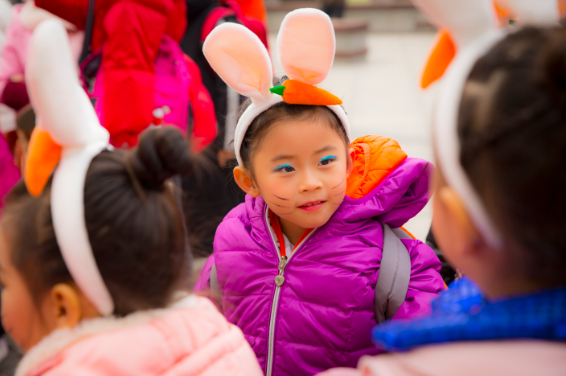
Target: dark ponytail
[133,221]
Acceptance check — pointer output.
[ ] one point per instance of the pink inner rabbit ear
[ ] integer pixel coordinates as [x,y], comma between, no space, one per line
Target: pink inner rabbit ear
[466,20]
[306,45]
[241,60]
[55,91]
[533,13]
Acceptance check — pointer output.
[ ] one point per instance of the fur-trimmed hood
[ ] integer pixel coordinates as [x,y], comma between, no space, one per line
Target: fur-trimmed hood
[189,338]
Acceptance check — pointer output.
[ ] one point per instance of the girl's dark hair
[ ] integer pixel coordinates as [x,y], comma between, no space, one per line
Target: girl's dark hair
[512,129]
[284,112]
[133,221]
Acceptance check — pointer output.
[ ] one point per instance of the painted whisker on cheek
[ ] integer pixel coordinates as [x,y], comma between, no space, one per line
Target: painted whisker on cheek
[339,184]
[281,206]
[338,194]
[284,214]
[281,198]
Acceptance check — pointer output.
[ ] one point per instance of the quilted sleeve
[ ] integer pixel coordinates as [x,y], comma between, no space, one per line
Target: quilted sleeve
[426,282]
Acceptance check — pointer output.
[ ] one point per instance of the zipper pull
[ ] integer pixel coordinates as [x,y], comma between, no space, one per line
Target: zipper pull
[282,264]
[280,280]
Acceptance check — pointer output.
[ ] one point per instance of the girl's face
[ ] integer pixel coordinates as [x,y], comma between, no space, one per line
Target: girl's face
[300,170]
[21,318]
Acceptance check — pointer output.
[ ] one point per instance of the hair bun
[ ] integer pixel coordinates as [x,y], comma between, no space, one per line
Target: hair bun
[554,65]
[160,154]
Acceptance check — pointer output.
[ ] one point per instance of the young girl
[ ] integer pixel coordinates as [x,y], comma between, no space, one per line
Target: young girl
[499,204]
[93,260]
[297,264]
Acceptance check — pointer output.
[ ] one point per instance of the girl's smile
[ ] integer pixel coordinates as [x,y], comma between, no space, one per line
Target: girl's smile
[313,205]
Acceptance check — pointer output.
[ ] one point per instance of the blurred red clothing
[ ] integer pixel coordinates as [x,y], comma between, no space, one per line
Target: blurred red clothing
[129,33]
[255,9]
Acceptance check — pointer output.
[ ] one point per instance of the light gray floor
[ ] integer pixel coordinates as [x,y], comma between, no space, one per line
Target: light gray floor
[382,96]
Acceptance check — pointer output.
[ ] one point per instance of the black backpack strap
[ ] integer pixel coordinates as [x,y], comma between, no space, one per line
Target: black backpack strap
[89,25]
[394,276]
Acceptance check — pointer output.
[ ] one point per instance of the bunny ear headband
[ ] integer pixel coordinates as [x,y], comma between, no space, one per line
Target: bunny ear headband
[66,138]
[305,46]
[472,26]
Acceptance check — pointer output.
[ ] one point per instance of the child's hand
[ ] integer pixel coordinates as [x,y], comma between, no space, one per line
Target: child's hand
[17,78]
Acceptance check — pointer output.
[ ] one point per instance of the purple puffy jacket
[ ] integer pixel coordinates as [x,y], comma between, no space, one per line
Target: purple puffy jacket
[321,317]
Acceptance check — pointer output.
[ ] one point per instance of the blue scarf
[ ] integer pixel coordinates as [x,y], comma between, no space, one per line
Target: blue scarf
[461,313]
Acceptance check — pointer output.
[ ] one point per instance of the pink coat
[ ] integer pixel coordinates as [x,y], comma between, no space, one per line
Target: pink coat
[487,358]
[190,338]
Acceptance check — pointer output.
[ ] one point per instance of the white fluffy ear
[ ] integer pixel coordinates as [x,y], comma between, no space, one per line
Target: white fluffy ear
[241,60]
[59,100]
[306,45]
[533,12]
[466,20]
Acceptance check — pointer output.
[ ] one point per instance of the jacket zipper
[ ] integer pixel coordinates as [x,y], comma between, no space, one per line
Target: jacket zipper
[279,281]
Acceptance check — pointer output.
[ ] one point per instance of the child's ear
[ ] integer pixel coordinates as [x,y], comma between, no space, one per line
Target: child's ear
[245,182]
[464,229]
[350,161]
[68,307]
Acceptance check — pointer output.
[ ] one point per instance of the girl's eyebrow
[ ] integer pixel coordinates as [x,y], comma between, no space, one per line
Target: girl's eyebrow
[279,157]
[326,148]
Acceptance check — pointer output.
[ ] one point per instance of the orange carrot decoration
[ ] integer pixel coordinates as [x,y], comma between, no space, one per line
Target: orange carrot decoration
[440,57]
[297,92]
[43,156]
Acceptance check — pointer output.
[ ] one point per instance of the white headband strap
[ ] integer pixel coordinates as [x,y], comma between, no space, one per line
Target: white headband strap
[66,114]
[447,142]
[68,212]
[254,110]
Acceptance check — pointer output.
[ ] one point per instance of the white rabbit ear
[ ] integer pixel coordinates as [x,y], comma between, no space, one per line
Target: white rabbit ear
[466,20]
[241,60]
[533,12]
[62,106]
[306,45]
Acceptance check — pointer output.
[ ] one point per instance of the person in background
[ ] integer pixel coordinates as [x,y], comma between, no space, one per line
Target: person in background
[9,173]
[211,192]
[97,283]
[128,35]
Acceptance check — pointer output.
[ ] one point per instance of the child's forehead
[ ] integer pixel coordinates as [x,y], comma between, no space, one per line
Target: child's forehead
[300,137]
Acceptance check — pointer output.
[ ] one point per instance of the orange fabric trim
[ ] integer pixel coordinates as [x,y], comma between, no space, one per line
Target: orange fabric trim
[276,225]
[42,158]
[303,237]
[297,92]
[439,59]
[407,231]
[375,157]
